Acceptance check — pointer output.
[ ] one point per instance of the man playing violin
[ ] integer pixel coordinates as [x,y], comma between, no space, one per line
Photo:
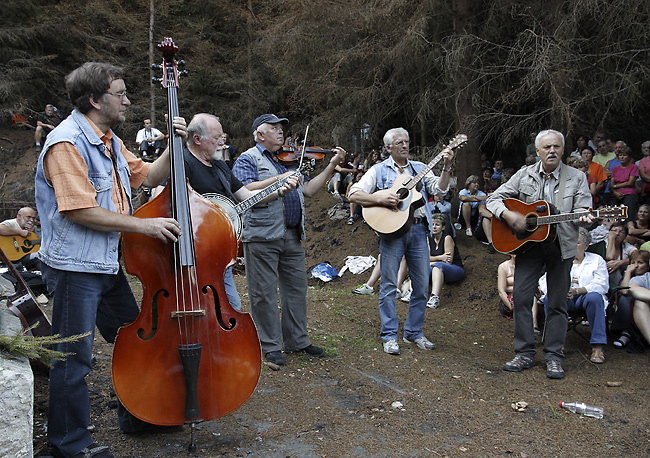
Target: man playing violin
[84,179]
[207,172]
[543,181]
[374,189]
[272,238]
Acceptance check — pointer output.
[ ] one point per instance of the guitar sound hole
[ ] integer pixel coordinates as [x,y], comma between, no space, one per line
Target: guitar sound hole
[403,193]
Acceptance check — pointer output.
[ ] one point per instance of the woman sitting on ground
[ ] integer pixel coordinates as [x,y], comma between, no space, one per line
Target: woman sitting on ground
[640,291]
[618,252]
[505,285]
[445,260]
[639,229]
[622,318]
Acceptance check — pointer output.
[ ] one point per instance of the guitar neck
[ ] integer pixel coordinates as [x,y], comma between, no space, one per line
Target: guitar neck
[15,273]
[416,179]
[563,217]
[255,199]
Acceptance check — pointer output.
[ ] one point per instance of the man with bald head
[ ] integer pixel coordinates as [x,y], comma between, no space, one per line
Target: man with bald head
[22,226]
[207,172]
[567,189]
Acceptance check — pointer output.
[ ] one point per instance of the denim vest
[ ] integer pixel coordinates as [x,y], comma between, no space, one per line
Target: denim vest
[262,222]
[66,245]
[386,176]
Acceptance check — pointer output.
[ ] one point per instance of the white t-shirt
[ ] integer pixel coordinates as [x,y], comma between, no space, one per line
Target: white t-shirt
[148,136]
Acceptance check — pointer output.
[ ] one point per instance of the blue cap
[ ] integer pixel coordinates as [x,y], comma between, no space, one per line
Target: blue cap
[268,118]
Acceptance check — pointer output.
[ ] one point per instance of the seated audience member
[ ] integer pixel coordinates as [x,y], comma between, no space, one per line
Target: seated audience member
[603,153]
[439,204]
[589,286]
[618,252]
[45,123]
[371,160]
[488,184]
[583,166]
[369,286]
[581,142]
[596,171]
[342,176]
[355,209]
[150,141]
[446,263]
[505,285]
[228,150]
[623,183]
[507,174]
[638,229]
[531,159]
[640,291]
[470,198]
[644,173]
[530,147]
[498,171]
[621,324]
[22,226]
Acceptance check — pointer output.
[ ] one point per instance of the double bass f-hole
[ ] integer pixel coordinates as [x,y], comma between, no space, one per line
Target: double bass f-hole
[188,356]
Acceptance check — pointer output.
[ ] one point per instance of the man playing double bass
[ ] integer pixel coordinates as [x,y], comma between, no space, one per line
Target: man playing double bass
[208,173]
[84,179]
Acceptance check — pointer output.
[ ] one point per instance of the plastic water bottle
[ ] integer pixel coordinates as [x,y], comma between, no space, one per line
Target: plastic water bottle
[583,409]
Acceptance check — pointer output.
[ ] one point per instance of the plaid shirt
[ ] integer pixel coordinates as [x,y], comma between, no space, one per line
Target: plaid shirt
[246,170]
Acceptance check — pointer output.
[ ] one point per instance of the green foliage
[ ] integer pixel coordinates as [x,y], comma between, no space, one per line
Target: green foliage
[36,348]
[498,70]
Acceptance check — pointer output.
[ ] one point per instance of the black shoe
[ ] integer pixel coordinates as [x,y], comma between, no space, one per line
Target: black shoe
[94,451]
[313,351]
[275,357]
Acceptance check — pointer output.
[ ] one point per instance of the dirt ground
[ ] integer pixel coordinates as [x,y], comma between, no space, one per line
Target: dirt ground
[454,401]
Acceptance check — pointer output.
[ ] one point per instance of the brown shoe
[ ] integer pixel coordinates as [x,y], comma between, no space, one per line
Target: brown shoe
[597,356]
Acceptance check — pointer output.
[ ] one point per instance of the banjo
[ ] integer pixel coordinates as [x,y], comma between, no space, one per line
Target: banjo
[235,211]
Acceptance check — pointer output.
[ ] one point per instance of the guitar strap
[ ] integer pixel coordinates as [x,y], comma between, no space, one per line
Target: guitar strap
[560,193]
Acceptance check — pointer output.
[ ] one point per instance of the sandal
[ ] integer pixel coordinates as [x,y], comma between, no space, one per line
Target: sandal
[623,340]
[597,356]
[351,220]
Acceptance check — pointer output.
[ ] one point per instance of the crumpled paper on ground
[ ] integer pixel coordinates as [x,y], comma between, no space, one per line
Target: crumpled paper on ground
[357,264]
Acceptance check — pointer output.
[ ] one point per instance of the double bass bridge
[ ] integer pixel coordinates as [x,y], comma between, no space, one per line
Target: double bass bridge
[186,313]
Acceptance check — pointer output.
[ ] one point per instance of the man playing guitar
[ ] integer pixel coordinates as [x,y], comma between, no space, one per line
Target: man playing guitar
[565,187]
[22,226]
[374,190]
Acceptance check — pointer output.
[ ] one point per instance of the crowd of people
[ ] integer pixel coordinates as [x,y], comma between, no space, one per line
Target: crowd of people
[84,180]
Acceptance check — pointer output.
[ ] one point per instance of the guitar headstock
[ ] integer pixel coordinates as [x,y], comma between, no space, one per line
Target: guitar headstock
[458,140]
[611,212]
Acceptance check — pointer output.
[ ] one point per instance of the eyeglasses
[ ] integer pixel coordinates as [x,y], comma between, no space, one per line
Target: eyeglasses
[401,142]
[121,95]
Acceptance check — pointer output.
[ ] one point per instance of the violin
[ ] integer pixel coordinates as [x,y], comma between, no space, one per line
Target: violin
[290,153]
[188,356]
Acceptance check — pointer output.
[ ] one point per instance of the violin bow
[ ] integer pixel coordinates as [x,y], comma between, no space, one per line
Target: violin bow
[304,147]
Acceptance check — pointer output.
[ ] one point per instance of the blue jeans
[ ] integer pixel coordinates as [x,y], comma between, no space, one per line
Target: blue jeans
[412,245]
[231,290]
[451,272]
[81,301]
[594,306]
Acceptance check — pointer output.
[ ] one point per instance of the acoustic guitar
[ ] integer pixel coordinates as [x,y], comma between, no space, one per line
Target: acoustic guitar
[541,218]
[394,222]
[23,304]
[16,247]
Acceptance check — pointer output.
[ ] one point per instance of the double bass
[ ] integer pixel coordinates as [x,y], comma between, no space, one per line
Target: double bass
[189,356]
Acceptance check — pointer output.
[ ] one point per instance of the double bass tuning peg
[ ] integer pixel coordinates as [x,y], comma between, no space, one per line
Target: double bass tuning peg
[156,80]
[156,66]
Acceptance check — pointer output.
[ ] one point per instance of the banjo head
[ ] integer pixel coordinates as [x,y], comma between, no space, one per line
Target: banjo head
[226,204]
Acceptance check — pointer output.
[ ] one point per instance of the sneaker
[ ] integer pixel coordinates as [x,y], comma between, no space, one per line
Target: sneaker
[391,347]
[468,232]
[622,341]
[554,369]
[490,249]
[94,451]
[519,363]
[37,145]
[433,302]
[363,289]
[421,342]
[406,296]
[398,293]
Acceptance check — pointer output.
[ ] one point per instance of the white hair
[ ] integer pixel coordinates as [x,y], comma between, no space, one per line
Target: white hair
[261,129]
[390,135]
[546,132]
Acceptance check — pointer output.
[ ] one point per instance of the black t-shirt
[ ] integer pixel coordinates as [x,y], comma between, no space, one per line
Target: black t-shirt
[440,249]
[216,179]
